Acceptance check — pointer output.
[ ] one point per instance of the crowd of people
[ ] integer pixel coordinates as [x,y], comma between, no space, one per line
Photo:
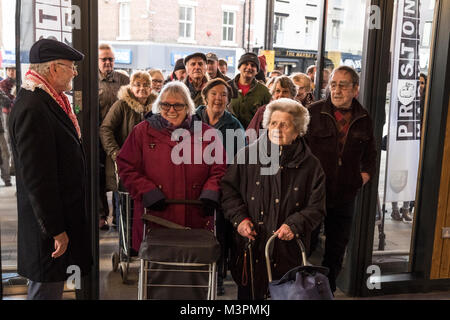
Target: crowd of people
[259,153]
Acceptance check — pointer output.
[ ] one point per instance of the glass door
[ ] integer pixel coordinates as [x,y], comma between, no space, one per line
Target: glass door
[404,109]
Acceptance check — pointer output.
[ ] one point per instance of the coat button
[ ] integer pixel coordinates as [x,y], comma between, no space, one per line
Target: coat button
[262,212]
[160,187]
[257,183]
[295,189]
[297,204]
[277,200]
[253,198]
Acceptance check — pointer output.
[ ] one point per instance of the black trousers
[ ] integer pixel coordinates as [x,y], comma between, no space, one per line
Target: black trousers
[338,226]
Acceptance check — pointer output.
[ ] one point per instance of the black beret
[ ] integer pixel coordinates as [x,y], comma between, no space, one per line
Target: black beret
[46,50]
[196,54]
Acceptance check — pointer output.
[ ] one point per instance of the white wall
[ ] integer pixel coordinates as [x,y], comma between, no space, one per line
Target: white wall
[8,23]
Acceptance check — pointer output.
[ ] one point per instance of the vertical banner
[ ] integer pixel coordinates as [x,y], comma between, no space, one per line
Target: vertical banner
[404,119]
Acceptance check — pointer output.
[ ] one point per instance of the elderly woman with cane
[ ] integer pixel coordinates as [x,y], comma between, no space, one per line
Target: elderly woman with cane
[288,201]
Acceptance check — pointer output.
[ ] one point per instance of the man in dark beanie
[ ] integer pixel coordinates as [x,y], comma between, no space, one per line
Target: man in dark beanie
[179,72]
[53,233]
[248,93]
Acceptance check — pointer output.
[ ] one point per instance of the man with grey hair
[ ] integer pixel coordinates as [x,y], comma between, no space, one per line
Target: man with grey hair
[341,136]
[51,172]
[109,83]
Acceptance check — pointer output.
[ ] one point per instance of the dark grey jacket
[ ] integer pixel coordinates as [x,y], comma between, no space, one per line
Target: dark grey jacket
[295,196]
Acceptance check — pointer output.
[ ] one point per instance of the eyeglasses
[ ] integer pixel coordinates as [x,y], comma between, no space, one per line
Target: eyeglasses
[343,86]
[167,106]
[73,67]
[107,59]
[139,85]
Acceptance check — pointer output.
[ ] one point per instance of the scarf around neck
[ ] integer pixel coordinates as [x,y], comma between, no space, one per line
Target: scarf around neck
[61,99]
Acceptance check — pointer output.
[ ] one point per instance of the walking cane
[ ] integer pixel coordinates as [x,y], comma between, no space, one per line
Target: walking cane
[249,247]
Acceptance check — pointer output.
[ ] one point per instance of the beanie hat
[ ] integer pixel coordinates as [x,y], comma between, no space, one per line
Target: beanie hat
[249,57]
[179,65]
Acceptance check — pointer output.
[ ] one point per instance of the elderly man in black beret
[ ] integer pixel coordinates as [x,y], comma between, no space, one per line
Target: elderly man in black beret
[196,76]
[53,234]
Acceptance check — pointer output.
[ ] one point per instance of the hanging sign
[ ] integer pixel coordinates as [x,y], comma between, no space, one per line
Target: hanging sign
[404,119]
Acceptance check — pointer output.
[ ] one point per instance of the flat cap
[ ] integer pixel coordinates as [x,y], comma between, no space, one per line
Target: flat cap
[46,50]
[211,56]
[192,55]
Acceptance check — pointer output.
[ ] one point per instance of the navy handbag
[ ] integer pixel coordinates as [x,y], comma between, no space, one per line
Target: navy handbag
[304,282]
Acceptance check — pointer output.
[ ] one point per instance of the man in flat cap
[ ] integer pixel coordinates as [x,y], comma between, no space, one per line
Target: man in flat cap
[53,233]
[248,93]
[196,76]
[212,67]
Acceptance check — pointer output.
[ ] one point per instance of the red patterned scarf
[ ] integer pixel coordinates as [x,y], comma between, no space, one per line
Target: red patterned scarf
[61,99]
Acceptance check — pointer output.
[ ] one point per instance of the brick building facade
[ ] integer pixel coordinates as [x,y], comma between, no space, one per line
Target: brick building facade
[154,33]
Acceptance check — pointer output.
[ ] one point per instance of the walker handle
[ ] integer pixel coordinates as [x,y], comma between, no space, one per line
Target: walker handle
[269,269]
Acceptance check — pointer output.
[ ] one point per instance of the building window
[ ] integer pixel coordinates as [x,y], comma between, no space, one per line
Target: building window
[228,26]
[124,19]
[279,29]
[310,27]
[186,23]
[336,29]
[426,34]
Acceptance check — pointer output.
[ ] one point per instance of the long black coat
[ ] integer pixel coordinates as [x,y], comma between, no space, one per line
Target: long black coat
[295,196]
[51,179]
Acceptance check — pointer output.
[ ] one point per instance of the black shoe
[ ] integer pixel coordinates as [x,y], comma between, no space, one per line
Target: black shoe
[395,215]
[8,184]
[220,290]
[406,216]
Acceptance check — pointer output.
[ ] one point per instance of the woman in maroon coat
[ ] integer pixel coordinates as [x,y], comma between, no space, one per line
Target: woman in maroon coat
[164,158]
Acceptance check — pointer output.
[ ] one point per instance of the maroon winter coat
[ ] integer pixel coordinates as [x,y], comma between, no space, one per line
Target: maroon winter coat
[146,169]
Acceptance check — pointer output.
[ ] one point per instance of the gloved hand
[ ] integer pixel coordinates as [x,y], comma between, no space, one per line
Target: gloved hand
[208,207]
[160,205]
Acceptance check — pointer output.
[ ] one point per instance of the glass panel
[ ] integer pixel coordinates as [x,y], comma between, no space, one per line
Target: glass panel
[401,135]
[188,30]
[189,14]
[231,18]
[182,13]
[181,30]
[344,37]
[230,34]
[225,18]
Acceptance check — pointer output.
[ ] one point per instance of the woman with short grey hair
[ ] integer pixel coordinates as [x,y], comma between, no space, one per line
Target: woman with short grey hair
[300,115]
[289,202]
[178,89]
[155,168]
